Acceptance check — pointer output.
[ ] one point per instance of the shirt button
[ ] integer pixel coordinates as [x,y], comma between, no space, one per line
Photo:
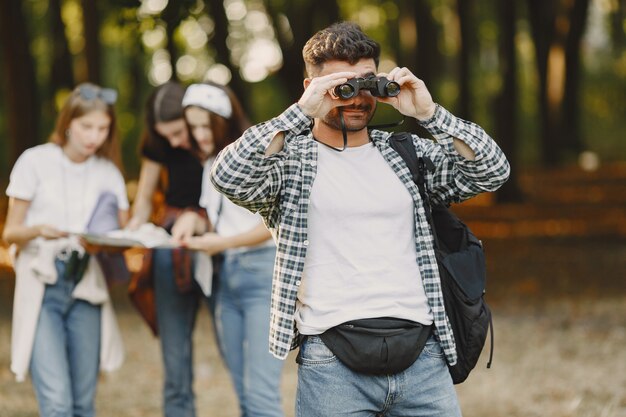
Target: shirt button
[306,243]
[298,283]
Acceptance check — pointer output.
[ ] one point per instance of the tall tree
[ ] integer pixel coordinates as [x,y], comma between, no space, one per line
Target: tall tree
[427,65]
[61,73]
[571,126]
[218,13]
[91,32]
[618,31]
[173,15]
[294,24]
[20,84]
[466,18]
[404,35]
[557,28]
[428,59]
[505,104]
[542,16]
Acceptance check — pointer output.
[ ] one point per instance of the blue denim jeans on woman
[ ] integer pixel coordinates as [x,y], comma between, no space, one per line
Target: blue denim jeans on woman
[242,317]
[326,387]
[66,352]
[176,318]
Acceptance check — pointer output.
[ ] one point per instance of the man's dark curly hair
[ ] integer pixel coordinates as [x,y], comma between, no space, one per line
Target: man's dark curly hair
[342,41]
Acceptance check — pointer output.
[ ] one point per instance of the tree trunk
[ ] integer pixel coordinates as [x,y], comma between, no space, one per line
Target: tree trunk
[571,98]
[304,19]
[326,14]
[171,15]
[542,15]
[403,34]
[218,14]
[464,9]
[505,104]
[136,71]
[291,41]
[427,38]
[20,84]
[61,72]
[428,61]
[618,33]
[91,29]
[558,26]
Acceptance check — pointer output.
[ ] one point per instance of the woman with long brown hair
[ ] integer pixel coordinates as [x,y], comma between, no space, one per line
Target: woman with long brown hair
[165,291]
[64,329]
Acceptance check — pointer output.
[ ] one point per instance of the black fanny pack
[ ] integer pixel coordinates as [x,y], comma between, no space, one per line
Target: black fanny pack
[378,346]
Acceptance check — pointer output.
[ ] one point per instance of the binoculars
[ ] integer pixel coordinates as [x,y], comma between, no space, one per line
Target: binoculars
[377,86]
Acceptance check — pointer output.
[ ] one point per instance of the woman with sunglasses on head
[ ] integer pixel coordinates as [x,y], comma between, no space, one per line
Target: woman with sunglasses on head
[64,329]
[242,299]
[165,291]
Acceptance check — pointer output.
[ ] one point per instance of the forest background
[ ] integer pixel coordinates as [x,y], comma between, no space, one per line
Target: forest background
[546,78]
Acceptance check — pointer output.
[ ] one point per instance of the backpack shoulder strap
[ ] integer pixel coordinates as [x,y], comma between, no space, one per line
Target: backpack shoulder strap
[402,143]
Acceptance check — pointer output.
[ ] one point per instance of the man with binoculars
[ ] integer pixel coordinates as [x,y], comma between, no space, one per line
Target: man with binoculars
[355,253]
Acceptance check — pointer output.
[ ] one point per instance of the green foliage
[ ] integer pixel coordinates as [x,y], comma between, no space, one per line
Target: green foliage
[603,115]
[134,42]
[267,100]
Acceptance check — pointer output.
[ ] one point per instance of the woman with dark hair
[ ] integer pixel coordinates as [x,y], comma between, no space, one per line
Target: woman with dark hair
[64,329]
[165,148]
[165,290]
[242,298]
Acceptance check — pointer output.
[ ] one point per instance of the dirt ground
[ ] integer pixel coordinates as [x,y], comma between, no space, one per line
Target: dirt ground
[560,331]
[556,284]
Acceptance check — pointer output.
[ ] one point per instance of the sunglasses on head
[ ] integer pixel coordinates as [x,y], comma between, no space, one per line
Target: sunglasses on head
[90,92]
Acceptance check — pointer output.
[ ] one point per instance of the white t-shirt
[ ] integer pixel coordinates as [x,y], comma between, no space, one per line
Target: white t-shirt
[231,219]
[63,193]
[361,259]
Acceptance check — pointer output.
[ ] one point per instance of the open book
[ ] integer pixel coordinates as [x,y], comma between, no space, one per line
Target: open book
[146,236]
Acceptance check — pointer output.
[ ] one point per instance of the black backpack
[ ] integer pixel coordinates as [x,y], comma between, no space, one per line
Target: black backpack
[462,269]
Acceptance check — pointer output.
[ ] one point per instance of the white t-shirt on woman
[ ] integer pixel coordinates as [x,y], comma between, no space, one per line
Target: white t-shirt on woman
[230,218]
[63,193]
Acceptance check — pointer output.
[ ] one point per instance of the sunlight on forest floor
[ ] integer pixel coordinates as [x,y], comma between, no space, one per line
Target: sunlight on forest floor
[556,284]
[562,359]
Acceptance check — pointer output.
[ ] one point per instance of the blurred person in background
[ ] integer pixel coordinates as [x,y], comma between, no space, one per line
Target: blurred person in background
[64,329]
[242,300]
[165,291]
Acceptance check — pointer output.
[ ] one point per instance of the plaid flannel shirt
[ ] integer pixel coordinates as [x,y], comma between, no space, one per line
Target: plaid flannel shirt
[278,186]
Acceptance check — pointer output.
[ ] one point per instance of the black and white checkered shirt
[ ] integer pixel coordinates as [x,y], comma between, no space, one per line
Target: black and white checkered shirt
[278,186]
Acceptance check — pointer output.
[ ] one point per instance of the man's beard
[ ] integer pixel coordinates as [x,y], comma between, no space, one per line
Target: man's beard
[333,120]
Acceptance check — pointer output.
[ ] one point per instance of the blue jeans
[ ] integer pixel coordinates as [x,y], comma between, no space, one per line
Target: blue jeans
[326,387]
[242,317]
[66,352]
[176,318]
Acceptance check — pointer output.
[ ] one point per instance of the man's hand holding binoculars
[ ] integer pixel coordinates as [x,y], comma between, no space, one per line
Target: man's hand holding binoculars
[414,99]
[316,100]
[400,88]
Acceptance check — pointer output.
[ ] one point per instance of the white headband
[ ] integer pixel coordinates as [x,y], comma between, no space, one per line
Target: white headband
[209,98]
